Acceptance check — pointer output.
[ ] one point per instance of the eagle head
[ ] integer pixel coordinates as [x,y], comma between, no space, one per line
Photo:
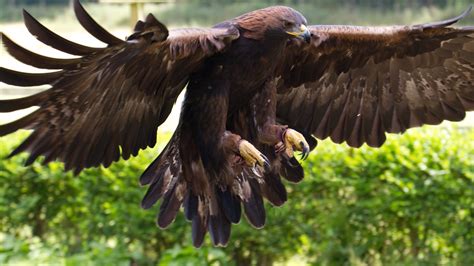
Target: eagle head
[276,21]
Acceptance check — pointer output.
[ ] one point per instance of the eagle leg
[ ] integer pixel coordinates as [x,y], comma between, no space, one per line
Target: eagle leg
[285,140]
[244,153]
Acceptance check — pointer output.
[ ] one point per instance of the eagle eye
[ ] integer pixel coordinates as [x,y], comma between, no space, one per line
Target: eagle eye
[289,24]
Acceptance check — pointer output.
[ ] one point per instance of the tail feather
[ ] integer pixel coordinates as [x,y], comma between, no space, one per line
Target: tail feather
[219,228]
[273,189]
[199,229]
[171,203]
[163,184]
[230,204]
[291,170]
[152,173]
[166,166]
[162,175]
[253,206]
[155,190]
[211,204]
[190,205]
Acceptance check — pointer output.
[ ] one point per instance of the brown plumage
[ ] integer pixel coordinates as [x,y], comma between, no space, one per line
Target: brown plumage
[252,83]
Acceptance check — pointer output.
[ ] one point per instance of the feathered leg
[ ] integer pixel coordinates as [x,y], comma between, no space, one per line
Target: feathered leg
[257,123]
[285,140]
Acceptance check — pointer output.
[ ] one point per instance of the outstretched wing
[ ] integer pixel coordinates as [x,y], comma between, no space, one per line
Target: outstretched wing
[110,101]
[354,84]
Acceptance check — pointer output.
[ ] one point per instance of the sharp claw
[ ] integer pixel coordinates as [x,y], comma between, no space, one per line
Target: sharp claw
[266,166]
[295,141]
[264,163]
[256,172]
[305,152]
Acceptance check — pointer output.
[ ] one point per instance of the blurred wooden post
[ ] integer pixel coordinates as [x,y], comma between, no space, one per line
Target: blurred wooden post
[134,14]
[136,7]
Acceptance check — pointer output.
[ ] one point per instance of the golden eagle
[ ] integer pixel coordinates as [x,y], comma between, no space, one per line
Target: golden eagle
[259,87]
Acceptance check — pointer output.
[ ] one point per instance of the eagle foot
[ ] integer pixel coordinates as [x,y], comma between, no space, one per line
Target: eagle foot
[292,141]
[252,156]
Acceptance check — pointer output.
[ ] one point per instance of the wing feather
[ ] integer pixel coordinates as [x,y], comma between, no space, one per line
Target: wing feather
[93,27]
[355,83]
[17,78]
[109,102]
[36,60]
[50,38]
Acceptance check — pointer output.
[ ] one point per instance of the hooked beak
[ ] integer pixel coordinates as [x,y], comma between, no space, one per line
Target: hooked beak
[303,33]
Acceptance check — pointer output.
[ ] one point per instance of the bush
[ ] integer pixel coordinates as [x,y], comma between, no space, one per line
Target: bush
[411,202]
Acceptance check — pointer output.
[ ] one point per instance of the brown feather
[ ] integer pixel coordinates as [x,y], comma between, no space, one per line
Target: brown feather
[16,78]
[36,60]
[52,39]
[106,99]
[93,27]
[372,80]
[22,103]
[253,206]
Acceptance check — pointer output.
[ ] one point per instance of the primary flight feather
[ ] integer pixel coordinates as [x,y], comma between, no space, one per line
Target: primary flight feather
[259,88]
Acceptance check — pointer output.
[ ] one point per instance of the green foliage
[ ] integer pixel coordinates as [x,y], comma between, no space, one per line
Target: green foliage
[410,202]
[414,198]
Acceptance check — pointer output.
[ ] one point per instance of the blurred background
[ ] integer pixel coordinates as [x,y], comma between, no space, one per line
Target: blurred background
[410,202]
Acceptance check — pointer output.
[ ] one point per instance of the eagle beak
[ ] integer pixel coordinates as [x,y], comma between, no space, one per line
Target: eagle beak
[303,33]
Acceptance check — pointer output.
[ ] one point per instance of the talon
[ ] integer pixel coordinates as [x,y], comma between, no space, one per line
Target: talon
[266,164]
[305,151]
[252,156]
[257,171]
[295,141]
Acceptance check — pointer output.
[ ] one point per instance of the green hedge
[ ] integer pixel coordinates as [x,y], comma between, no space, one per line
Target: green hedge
[410,202]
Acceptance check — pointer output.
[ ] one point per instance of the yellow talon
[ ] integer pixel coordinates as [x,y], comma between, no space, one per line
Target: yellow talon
[252,156]
[295,141]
